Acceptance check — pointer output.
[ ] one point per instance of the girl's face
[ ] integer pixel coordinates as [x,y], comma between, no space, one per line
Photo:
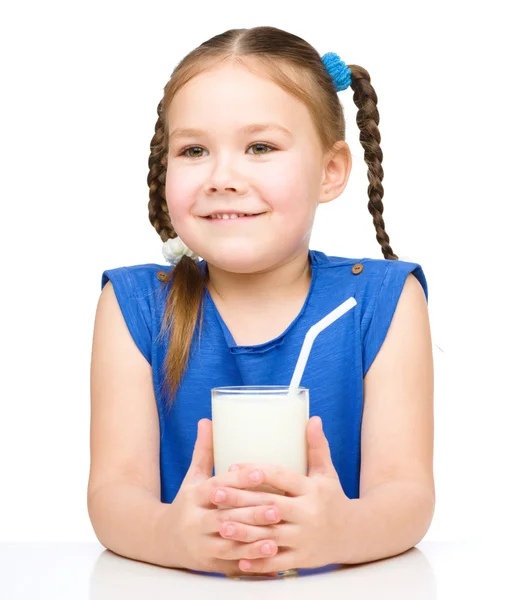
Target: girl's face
[227,167]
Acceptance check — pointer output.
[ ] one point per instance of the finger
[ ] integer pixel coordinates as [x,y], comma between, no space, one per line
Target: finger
[202,459]
[240,479]
[277,476]
[252,515]
[282,561]
[226,567]
[319,455]
[283,534]
[236,498]
[231,569]
[232,550]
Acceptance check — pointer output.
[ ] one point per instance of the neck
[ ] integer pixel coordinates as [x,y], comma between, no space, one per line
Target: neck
[284,281]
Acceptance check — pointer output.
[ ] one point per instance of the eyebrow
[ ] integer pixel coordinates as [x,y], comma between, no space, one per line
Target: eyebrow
[252,128]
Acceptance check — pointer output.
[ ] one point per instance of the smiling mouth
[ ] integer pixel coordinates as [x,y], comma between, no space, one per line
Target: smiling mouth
[233,219]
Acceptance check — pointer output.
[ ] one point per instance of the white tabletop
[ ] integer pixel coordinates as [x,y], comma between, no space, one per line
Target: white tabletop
[76,571]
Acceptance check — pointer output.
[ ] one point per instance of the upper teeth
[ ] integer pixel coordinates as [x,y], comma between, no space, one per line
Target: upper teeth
[226,216]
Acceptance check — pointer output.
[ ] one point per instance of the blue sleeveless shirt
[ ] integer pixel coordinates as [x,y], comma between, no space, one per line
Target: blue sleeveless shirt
[340,357]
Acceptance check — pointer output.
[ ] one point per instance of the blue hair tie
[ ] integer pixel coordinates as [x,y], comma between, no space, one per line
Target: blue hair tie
[338,70]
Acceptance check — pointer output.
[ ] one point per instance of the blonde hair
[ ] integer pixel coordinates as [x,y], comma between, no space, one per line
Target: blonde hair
[294,65]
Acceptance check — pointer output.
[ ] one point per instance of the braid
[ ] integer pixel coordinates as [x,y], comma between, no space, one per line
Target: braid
[368,118]
[157,207]
[186,294]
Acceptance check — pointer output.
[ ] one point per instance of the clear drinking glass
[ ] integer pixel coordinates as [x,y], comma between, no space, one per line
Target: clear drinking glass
[265,423]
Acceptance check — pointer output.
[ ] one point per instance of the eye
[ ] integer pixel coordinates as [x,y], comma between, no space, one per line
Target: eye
[190,148]
[256,144]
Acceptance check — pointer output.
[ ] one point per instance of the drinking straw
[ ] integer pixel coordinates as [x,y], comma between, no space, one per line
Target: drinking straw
[311,336]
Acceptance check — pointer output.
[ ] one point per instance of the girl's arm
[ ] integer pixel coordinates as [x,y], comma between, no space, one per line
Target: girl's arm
[124,483]
[397,490]
[388,520]
[126,518]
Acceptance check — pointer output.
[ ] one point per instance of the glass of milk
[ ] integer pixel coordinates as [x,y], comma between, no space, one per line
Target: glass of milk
[265,423]
[260,424]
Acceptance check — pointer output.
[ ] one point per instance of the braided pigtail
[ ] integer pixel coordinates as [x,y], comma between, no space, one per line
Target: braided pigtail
[186,294]
[365,99]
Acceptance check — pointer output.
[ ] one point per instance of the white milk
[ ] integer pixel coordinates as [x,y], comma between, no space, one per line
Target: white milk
[268,428]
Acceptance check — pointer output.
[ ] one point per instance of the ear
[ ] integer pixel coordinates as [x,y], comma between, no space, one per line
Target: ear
[337,165]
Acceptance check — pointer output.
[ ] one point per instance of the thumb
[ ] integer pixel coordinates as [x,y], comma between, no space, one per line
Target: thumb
[319,458]
[202,460]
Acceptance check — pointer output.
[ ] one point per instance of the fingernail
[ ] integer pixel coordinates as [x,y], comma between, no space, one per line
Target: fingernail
[266,549]
[255,476]
[246,565]
[234,468]
[220,496]
[270,515]
[230,530]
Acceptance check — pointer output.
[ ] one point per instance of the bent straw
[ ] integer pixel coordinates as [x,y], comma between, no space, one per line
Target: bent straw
[311,336]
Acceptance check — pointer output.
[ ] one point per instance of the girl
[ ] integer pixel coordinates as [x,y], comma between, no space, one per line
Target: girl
[249,141]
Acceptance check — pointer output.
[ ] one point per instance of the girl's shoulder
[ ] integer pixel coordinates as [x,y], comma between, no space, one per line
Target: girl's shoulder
[372,276]
[137,279]
[376,285]
[139,289]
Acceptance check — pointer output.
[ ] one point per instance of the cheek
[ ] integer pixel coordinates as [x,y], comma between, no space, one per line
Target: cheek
[288,183]
[179,192]
[290,194]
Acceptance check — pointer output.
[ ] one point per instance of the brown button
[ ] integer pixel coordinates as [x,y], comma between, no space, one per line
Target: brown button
[161,275]
[357,268]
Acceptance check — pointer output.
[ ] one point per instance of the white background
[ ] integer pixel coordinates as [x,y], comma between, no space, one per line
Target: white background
[80,86]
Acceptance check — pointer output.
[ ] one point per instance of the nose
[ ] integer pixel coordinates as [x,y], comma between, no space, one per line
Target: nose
[224,178]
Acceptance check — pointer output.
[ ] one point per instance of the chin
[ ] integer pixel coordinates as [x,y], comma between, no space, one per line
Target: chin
[235,263]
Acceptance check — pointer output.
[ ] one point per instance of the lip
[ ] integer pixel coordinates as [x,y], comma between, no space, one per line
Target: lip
[237,220]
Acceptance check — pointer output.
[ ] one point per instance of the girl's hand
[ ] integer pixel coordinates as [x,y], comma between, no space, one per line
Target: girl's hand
[312,513]
[188,528]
